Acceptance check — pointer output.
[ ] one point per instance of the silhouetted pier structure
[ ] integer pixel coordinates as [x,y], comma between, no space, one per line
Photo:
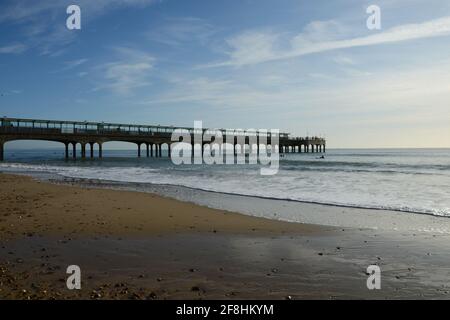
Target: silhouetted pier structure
[74,133]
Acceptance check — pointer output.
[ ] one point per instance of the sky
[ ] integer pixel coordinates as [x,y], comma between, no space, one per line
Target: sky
[304,67]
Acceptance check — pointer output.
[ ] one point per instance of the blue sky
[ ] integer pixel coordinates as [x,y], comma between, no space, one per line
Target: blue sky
[306,67]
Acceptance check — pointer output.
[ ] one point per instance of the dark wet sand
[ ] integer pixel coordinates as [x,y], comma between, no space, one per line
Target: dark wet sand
[139,246]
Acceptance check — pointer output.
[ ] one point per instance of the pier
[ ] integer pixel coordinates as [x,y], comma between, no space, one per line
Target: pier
[84,135]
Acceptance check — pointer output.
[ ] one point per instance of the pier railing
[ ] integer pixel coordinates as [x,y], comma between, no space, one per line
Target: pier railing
[12,125]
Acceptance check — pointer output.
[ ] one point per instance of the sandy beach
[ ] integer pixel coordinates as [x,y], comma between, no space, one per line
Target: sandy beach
[132,245]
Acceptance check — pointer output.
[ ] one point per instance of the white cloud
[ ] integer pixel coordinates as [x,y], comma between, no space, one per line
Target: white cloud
[418,88]
[178,31]
[343,60]
[42,23]
[75,63]
[25,10]
[13,48]
[69,65]
[129,72]
[252,47]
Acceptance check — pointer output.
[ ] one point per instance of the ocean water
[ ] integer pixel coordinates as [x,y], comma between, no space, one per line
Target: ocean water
[408,180]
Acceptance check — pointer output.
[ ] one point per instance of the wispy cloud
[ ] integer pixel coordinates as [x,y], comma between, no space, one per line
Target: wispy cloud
[75,63]
[11,92]
[343,60]
[178,31]
[253,47]
[379,93]
[25,10]
[72,64]
[15,48]
[42,23]
[130,71]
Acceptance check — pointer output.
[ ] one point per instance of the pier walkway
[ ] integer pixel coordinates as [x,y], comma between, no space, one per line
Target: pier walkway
[154,138]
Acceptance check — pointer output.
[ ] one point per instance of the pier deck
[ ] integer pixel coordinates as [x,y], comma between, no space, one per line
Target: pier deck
[83,134]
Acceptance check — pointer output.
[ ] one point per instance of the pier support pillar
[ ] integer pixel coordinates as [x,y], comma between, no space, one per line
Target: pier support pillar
[139,150]
[148,150]
[324,149]
[100,150]
[151,149]
[257,145]
[169,150]
[92,149]
[66,151]
[83,150]
[74,150]
[160,150]
[2,150]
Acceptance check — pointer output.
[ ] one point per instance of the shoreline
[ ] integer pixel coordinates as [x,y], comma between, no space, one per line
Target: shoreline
[136,245]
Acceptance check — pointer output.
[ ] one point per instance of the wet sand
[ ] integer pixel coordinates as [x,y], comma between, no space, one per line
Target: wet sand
[133,245]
